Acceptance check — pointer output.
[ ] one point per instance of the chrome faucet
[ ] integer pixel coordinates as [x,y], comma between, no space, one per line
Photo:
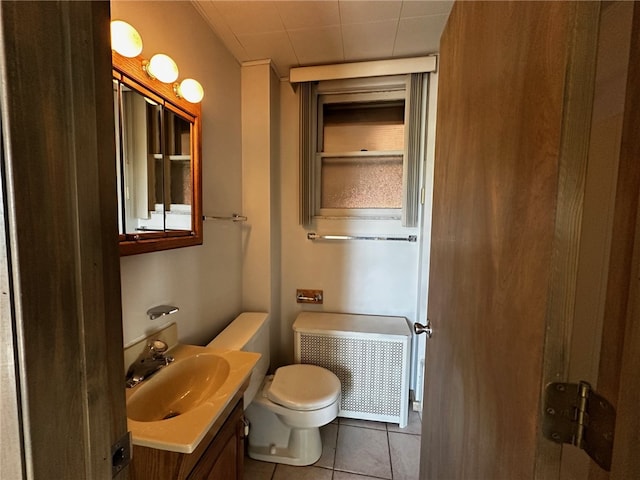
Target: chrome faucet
[151,360]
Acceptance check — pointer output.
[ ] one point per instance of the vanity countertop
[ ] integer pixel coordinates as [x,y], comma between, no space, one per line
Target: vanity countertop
[183,433]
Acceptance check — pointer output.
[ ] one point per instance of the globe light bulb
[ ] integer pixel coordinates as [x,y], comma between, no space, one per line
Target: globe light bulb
[163,68]
[125,39]
[190,90]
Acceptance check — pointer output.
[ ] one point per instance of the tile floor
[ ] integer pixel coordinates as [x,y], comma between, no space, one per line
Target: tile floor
[354,450]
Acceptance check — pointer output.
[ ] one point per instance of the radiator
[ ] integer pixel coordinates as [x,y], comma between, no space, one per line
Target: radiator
[369,354]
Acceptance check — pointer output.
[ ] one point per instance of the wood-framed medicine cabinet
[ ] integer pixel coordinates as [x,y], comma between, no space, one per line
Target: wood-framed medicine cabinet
[158,162]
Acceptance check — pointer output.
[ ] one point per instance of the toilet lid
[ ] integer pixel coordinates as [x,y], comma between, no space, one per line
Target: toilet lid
[304,387]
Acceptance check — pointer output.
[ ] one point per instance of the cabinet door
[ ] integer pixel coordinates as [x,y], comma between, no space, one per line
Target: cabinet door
[225,456]
[226,465]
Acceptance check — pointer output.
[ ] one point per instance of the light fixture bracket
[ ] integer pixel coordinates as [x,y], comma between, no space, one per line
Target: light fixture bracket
[145,69]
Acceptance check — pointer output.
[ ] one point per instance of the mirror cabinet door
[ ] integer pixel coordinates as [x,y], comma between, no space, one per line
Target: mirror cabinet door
[159,196]
[178,185]
[141,163]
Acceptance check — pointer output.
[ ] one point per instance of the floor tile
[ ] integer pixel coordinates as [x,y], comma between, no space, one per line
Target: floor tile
[363,450]
[354,422]
[414,425]
[405,455]
[287,472]
[357,450]
[329,435]
[256,470]
[351,476]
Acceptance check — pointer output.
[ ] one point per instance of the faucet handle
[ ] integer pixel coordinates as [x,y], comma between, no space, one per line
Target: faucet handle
[157,349]
[157,346]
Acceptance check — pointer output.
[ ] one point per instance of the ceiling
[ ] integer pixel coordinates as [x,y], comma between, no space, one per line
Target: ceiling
[306,32]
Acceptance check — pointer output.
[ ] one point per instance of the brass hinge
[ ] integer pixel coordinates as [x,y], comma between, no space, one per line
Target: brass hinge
[575,414]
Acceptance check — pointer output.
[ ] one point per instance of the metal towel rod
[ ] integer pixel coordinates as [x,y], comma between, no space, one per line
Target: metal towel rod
[234,218]
[315,236]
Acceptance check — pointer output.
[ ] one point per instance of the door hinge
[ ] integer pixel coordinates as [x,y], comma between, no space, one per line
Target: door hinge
[575,414]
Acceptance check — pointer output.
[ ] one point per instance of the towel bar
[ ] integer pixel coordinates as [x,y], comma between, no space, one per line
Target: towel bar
[315,236]
[234,218]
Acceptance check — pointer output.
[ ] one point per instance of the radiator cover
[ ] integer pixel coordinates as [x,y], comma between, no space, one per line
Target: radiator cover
[369,354]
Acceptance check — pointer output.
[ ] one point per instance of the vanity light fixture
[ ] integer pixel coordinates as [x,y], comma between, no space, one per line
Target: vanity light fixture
[189,89]
[125,39]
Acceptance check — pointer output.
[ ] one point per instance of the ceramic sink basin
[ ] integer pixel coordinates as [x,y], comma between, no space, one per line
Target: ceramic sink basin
[178,388]
[181,403]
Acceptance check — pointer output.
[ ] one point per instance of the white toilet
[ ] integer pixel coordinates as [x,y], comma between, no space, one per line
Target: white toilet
[287,409]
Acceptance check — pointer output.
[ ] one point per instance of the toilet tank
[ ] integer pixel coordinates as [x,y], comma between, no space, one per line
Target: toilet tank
[249,332]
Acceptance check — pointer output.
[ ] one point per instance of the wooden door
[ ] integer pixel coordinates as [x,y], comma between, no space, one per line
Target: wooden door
[514,117]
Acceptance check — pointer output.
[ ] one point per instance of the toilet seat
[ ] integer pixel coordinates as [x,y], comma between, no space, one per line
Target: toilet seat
[304,387]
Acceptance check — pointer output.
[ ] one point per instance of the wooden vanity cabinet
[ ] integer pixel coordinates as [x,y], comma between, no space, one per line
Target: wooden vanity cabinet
[219,456]
[224,457]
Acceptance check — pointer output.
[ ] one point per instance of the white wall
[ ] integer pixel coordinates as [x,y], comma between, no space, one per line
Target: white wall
[369,277]
[205,282]
[261,192]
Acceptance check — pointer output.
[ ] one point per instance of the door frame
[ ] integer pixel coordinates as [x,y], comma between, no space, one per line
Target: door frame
[626,461]
[574,151]
[419,345]
[62,263]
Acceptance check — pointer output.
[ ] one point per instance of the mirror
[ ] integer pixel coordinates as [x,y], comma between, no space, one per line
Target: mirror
[157,163]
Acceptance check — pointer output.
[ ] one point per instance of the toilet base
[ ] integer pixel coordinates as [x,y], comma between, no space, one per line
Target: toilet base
[273,440]
[304,448]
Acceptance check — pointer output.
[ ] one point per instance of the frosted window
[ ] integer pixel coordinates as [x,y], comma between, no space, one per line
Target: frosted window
[361,145]
[362,182]
[360,148]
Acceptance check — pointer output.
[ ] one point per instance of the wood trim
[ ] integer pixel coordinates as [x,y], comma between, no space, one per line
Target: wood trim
[133,247]
[102,328]
[572,169]
[143,90]
[57,99]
